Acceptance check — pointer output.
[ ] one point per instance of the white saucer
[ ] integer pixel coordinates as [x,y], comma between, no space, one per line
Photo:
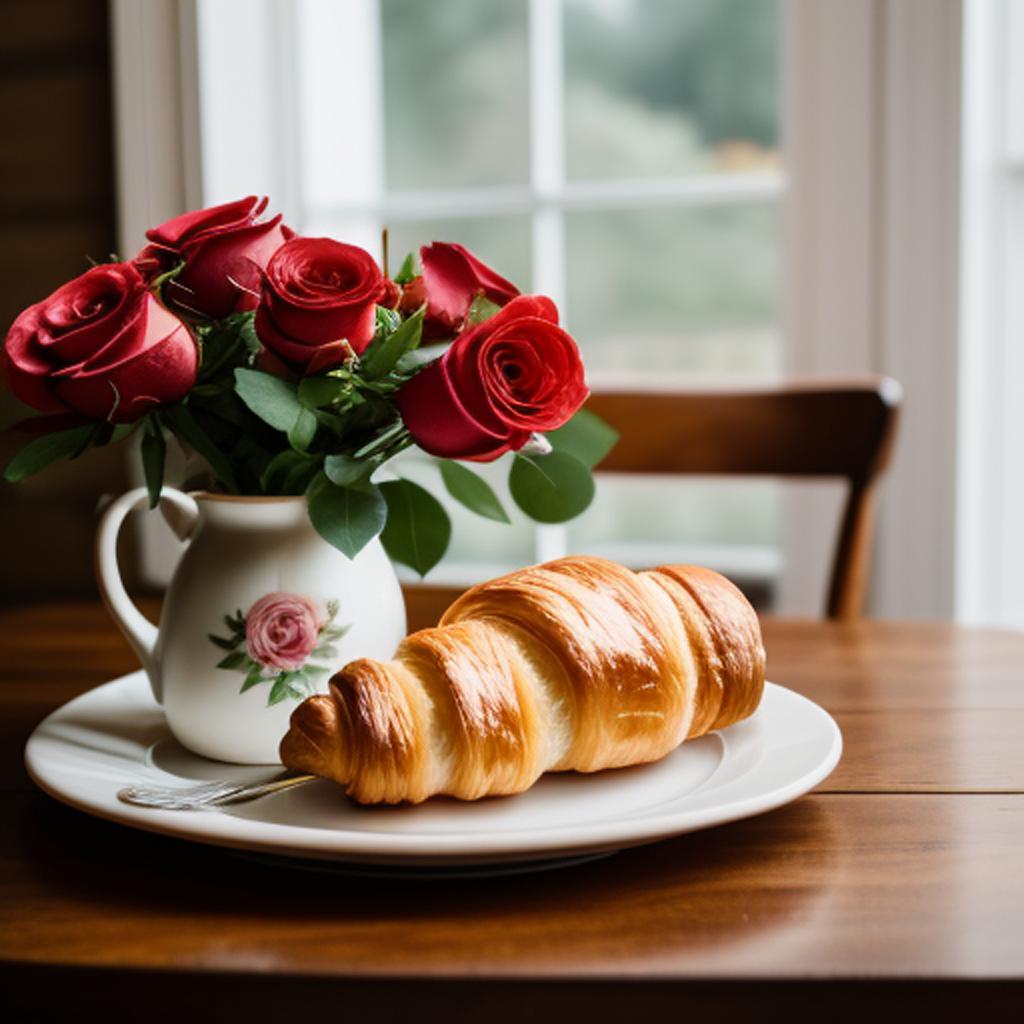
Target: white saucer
[116,736]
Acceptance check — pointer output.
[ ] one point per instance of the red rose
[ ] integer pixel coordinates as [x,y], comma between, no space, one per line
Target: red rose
[100,345]
[224,248]
[317,295]
[498,382]
[452,278]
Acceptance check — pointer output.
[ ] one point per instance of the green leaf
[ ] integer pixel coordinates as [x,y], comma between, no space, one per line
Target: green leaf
[285,470]
[216,358]
[551,488]
[285,686]
[313,671]
[303,430]
[314,675]
[217,403]
[335,634]
[419,358]
[236,659]
[277,469]
[180,421]
[381,357]
[40,452]
[586,436]
[253,678]
[247,332]
[279,691]
[379,445]
[334,423]
[154,449]
[407,271]
[418,528]
[387,320]
[275,401]
[345,470]
[481,309]
[471,490]
[300,476]
[315,392]
[226,342]
[346,517]
[121,431]
[251,460]
[227,645]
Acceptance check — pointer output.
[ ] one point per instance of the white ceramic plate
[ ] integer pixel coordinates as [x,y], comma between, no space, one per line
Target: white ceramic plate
[116,736]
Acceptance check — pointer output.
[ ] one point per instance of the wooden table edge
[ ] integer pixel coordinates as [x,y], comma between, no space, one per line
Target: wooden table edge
[169,993]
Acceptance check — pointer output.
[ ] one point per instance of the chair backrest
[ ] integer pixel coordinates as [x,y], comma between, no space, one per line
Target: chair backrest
[801,429]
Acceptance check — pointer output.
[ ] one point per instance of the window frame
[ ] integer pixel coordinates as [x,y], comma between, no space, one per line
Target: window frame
[872,144]
[990,494]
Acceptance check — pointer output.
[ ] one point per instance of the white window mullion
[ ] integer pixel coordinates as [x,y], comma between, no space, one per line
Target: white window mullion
[239,58]
[990,484]
[1008,301]
[287,153]
[349,73]
[547,147]
[980,580]
[547,177]
[626,194]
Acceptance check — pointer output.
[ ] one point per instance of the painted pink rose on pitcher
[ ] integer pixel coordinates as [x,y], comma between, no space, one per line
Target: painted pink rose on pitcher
[281,630]
[283,640]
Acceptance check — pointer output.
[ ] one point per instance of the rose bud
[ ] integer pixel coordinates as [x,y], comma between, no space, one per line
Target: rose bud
[100,345]
[497,383]
[414,295]
[224,248]
[318,302]
[391,294]
[452,278]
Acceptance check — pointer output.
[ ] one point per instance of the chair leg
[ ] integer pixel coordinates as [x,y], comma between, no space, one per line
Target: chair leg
[850,566]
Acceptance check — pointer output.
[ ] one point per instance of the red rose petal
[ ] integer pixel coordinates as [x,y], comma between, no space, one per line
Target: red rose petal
[158,371]
[174,232]
[453,277]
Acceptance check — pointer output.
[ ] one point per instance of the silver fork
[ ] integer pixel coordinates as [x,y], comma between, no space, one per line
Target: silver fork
[207,794]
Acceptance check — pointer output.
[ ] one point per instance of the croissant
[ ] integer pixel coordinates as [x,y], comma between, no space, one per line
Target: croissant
[578,664]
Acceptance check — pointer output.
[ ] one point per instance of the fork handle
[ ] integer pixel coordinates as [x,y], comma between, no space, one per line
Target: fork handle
[197,798]
[240,796]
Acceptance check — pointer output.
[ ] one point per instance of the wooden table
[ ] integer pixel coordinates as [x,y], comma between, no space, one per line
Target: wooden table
[898,883]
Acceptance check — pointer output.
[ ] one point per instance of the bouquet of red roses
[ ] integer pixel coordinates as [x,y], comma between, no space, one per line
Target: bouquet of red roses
[295,365]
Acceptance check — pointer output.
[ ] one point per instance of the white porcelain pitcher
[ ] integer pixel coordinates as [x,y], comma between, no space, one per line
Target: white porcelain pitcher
[259,613]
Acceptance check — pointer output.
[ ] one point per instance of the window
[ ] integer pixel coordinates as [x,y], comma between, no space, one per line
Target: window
[603,152]
[290,100]
[991,482]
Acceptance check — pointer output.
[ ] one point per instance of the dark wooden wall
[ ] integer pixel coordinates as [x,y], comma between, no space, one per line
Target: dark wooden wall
[57,207]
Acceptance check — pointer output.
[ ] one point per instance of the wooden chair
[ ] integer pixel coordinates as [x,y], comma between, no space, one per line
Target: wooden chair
[810,429]
[843,430]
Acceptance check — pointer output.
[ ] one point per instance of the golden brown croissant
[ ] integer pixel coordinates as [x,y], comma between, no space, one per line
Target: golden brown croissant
[577,664]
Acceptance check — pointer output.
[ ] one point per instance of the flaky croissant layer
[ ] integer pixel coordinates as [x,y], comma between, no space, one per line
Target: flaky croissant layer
[578,664]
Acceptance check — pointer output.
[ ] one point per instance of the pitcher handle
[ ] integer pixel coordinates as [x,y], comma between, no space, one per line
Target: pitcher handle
[182,514]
